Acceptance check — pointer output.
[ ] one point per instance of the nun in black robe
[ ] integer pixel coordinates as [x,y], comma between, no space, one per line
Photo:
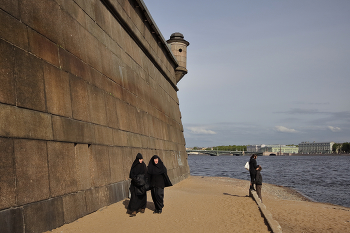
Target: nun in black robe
[158,180]
[138,201]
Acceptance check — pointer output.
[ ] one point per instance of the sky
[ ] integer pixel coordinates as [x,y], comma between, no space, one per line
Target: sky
[261,71]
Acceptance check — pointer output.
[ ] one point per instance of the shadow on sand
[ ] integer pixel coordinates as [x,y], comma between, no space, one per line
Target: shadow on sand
[149,205]
[235,195]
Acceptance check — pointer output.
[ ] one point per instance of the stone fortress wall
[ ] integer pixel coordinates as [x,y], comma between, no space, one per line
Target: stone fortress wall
[84,86]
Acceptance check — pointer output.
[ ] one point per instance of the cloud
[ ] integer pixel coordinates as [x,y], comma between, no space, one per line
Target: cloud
[302,111]
[334,129]
[200,130]
[284,129]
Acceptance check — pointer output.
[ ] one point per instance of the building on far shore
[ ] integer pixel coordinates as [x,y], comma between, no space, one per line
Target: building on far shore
[315,147]
[273,149]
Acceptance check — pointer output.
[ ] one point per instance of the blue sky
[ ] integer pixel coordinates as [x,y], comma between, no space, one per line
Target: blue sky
[262,72]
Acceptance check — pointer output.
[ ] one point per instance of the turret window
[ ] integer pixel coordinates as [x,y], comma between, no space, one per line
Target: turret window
[180,50]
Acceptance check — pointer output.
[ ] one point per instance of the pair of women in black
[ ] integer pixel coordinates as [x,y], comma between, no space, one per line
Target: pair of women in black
[155,176]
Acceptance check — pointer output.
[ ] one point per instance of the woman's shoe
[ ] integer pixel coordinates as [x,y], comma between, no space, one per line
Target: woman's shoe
[156,211]
[133,214]
[142,211]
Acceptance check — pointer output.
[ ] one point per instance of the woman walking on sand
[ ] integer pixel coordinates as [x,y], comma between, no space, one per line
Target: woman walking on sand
[138,176]
[252,170]
[158,179]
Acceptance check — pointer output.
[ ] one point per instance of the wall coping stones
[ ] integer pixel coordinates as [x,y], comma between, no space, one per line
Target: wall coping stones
[273,224]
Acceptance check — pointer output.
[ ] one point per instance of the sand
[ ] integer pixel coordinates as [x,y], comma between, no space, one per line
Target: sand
[213,204]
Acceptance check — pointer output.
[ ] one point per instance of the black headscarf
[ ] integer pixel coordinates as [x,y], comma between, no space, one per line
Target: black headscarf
[137,167]
[156,169]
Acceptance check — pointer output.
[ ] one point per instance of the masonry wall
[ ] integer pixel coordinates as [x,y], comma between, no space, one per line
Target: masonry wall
[84,86]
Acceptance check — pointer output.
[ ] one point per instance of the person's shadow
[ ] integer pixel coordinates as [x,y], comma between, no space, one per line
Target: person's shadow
[150,205]
[234,195]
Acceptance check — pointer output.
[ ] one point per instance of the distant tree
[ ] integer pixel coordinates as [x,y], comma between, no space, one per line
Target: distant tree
[195,148]
[336,147]
[230,148]
[346,147]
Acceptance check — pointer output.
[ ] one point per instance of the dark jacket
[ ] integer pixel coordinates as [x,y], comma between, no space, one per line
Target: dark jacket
[253,166]
[258,178]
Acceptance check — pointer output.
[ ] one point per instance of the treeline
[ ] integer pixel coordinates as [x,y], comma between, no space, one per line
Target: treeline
[230,148]
[341,147]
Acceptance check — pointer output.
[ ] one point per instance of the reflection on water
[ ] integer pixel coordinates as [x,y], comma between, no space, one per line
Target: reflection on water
[322,178]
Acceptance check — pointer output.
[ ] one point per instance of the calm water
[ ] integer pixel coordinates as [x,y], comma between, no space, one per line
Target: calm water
[321,178]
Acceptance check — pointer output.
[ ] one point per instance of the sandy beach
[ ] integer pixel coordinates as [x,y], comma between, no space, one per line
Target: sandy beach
[214,204]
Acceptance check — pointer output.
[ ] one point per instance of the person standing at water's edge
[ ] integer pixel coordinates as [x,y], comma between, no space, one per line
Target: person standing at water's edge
[138,176]
[158,181]
[258,182]
[253,166]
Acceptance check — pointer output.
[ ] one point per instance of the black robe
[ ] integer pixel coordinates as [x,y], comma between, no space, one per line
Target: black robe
[252,169]
[158,179]
[137,201]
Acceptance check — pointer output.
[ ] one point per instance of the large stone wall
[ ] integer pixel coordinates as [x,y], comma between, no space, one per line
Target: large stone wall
[84,86]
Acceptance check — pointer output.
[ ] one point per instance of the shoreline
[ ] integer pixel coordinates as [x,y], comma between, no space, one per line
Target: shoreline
[218,204]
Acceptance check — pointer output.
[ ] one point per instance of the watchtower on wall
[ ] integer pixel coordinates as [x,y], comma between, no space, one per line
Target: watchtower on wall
[179,48]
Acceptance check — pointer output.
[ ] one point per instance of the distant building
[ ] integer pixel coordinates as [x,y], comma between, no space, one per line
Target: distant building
[280,149]
[315,147]
[254,148]
[276,149]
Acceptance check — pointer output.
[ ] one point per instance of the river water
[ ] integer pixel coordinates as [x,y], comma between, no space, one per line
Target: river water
[320,178]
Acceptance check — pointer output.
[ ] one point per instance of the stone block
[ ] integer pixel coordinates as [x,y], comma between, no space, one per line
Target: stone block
[80,99]
[129,81]
[111,108]
[123,115]
[140,128]
[135,140]
[99,80]
[88,7]
[7,174]
[144,142]
[97,105]
[82,158]
[44,215]
[116,164]
[126,185]
[43,16]
[103,135]
[128,159]
[32,176]
[62,168]
[11,221]
[29,77]
[92,47]
[57,91]
[100,169]
[74,206]
[23,123]
[130,98]
[13,30]
[118,191]
[73,10]
[7,81]
[103,17]
[152,143]
[71,34]
[10,6]
[43,48]
[74,65]
[107,64]
[119,138]
[70,130]
[131,112]
[96,198]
